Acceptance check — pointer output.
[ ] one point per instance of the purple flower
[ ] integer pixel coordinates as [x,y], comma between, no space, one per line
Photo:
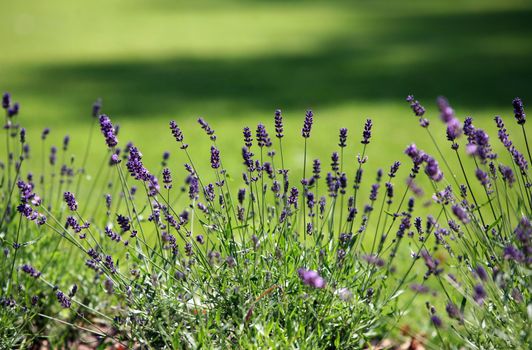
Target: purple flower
[247,137]
[45,133]
[453,311]
[436,321]
[307,124]
[6,100]
[208,130]
[373,192]
[22,135]
[167,178]
[135,166]
[96,107]
[482,176]
[178,134]
[512,253]
[108,131]
[30,270]
[460,213]
[70,201]
[366,134]
[523,231]
[343,137]
[292,199]
[479,294]
[432,168]
[373,259]
[13,111]
[419,288]
[519,111]
[63,299]
[417,108]
[311,278]
[215,158]
[262,136]
[123,222]
[502,133]
[454,129]
[446,112]
[393,169]
[316,168]
[53,155]
[481,273]
[278,124]
[507,174]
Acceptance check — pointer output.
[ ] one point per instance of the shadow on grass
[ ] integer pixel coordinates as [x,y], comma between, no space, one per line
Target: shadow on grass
[476,59]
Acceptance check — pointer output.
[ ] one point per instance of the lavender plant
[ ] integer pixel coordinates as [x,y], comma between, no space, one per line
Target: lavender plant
[317,259]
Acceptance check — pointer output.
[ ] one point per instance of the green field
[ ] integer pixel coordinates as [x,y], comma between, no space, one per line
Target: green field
[234,62]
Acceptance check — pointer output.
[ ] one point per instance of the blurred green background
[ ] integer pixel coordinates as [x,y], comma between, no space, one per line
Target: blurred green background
[235,62]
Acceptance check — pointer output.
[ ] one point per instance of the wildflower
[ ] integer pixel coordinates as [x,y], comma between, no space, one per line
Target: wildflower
[507,174]
[215,157]
[167,178]
[135,166]
[278,124]
[373,259]
[393,169]
[417,108]
[436,321]
[419,288]
[292,200]
[373,192]
[208,130]
[262,136]
[311,278]
[366,134]
[30,270]
[460,213]
[519,111]
[307,124]
[63,299]
[6,100]
[247,137]
[108,131]
[479,294]
[96,107]
[453,311]
[73,291]
[123,222]
[316,168]
[446,111]
[343,137]
[70,201]
[45,133]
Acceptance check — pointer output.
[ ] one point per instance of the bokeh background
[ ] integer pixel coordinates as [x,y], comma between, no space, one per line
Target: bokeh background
[235,62]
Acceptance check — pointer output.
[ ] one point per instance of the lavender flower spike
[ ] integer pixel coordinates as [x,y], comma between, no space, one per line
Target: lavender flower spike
[417,108]
[208,130]
[108,131]
[366,134]
[278,124]
[70,201]
[519,111]
[307,124]
[215,157]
